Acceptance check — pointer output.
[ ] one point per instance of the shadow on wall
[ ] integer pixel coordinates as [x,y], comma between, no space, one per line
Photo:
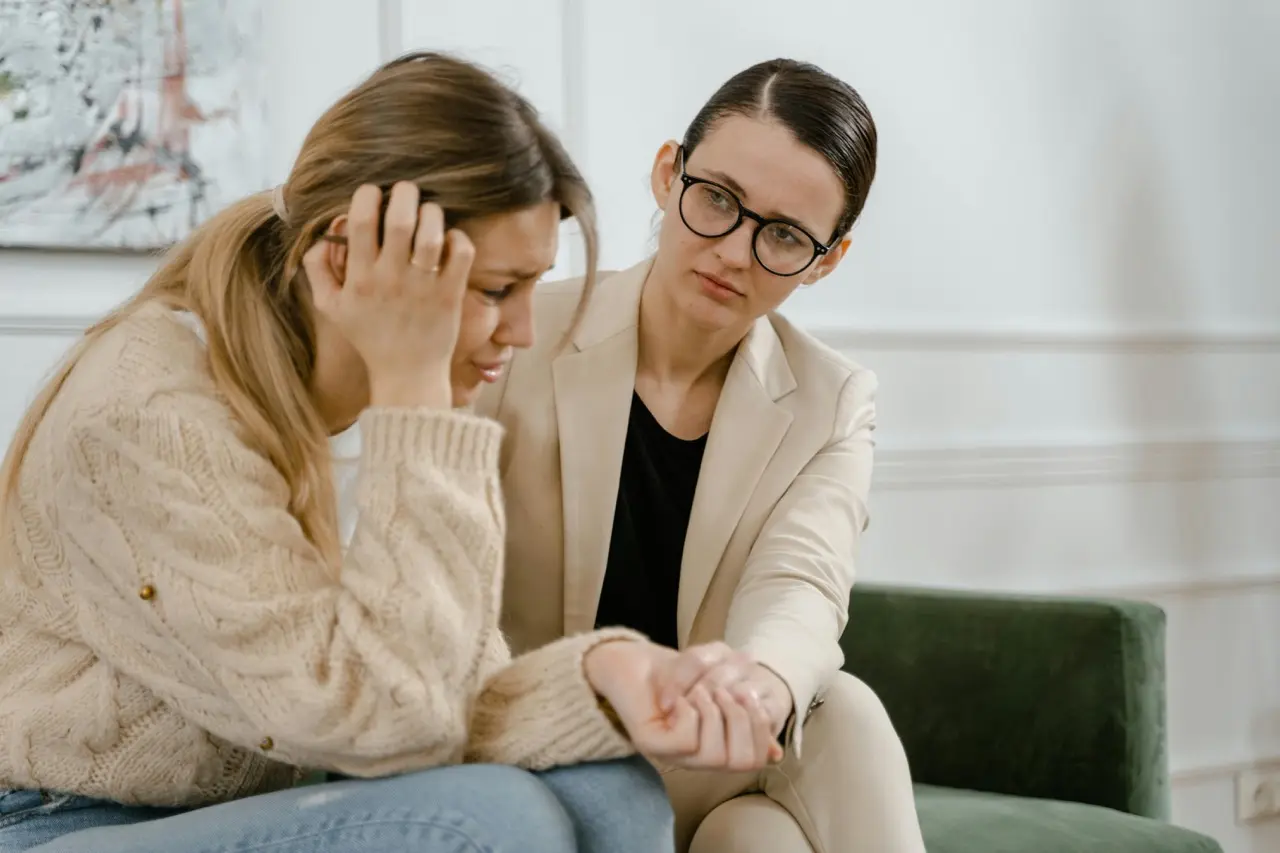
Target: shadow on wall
[1127,214]
[1154,265]
[1145,267]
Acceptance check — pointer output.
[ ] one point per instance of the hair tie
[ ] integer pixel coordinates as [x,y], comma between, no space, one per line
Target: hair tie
[277,203]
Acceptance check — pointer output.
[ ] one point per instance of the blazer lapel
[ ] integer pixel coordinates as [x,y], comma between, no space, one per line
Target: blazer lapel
[746,430]
[594,381]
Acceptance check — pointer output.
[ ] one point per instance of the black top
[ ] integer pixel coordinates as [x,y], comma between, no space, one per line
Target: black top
[655,497]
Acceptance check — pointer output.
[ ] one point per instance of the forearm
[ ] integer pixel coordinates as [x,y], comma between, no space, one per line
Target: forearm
[775,694]
[800,659]
[788,615]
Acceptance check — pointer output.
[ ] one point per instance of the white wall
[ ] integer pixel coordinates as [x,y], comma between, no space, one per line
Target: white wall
[1066,278]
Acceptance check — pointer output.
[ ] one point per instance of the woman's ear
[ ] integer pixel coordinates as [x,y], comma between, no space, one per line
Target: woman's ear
[828,262]
[666,168]
[326,260]
[337,257]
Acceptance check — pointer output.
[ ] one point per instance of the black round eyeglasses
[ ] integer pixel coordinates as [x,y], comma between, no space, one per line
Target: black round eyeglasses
[712,210]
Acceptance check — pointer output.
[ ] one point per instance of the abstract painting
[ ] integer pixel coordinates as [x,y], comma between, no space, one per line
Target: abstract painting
[126,123]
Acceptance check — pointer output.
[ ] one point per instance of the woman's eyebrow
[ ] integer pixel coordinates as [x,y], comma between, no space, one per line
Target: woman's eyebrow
[729,182]
[741,193]
[511,272]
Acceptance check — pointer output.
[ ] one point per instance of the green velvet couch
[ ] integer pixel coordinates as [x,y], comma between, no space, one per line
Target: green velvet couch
[1033,724]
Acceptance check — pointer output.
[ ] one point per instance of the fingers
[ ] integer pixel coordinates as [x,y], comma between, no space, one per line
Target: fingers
[682,724]
[743,750]
[322,264]
[444,258]
[674,737]
[735,668]
[688,669]
[459,252]
[768,748]
[711,730]
[399,225]
[429,241]
[711,666]
[362,232]
[734,728]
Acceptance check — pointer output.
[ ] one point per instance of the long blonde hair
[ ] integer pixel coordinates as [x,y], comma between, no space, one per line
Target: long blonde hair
[469,142]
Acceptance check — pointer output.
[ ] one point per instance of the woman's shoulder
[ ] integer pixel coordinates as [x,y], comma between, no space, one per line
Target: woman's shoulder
[817,366]
[557,301]
[140,383]
[150,357]
[559,309]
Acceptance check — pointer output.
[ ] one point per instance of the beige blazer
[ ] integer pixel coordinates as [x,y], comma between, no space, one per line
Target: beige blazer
[780,502]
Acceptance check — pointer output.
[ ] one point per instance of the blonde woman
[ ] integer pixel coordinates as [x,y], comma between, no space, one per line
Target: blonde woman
[188,617]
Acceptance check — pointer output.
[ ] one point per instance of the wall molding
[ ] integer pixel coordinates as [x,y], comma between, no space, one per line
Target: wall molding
[35,325]
[1216,772]
[1198,588]
[1013,466]
[1031,339]
[994,466]
[1244,580]
[896,338]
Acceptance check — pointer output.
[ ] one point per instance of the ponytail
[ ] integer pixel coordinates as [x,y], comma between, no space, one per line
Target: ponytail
[260,335]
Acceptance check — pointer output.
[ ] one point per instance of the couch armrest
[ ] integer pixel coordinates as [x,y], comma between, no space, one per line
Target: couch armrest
[1048,697]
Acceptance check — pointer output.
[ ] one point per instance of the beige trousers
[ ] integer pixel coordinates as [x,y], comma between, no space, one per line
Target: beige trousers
[851,793]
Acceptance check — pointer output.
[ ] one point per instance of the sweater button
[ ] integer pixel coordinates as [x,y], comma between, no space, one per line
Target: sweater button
[147,593]
[267,744]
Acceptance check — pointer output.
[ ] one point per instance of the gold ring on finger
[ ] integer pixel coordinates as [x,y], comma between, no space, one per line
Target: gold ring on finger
[432,270]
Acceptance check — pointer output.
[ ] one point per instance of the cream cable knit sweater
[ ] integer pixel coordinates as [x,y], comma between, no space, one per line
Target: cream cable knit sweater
[168,636]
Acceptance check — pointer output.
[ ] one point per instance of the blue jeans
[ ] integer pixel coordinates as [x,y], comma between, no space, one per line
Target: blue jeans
[609,807]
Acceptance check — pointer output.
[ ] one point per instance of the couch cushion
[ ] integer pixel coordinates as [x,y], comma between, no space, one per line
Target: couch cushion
[956,821]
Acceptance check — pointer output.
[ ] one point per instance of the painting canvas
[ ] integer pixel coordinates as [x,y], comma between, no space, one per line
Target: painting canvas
[126,123]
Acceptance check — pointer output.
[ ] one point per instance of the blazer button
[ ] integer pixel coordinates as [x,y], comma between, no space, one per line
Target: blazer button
[147,593]
[267,744]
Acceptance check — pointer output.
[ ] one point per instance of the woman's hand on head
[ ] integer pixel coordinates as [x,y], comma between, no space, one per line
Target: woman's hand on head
[707,729]
[399,304]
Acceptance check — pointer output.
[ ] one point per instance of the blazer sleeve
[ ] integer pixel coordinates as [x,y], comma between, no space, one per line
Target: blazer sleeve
[792,603]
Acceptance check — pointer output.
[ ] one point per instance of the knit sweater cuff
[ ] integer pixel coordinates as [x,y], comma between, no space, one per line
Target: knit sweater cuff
[449,438]
[586,717]
[558,718]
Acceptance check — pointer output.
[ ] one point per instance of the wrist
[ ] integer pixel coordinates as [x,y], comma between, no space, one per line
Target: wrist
[777,698]
[610,714]
[602,663]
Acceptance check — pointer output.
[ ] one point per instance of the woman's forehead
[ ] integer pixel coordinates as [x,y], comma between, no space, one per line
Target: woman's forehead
[518,244]
[772,171]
